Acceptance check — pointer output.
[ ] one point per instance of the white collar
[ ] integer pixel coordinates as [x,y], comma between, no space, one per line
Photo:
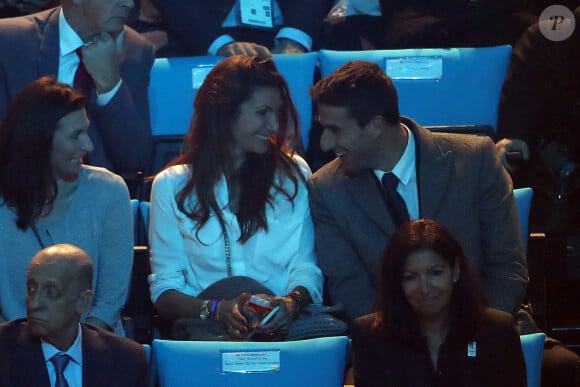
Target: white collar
[75,351]
[405,167]
[69,40]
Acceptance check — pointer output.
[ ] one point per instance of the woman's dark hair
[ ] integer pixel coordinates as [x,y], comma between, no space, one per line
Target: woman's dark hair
[211,147]
[395,316]
[27,181]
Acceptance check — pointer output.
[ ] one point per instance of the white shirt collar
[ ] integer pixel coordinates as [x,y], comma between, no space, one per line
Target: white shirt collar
[75,351]
[405,167]
[69,40]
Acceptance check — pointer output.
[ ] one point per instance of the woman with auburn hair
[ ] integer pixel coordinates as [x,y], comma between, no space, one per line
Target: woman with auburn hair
[48,196]
[431,326]
[230,217]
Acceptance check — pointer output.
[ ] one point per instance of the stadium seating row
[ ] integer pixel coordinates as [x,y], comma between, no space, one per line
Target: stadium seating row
[436,87]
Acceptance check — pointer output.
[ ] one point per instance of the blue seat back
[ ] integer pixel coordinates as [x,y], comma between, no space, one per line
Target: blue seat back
[533,348]
[523,198]
[134,220]
[147,351]
[316,362]
[466,93]
[298,70]
[144,207]
[172,89]
[175,82]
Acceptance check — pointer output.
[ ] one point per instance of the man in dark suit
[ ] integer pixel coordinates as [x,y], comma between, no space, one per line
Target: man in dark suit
[457,180]
[58,292]
[117,62]
[541,119]
[216,27]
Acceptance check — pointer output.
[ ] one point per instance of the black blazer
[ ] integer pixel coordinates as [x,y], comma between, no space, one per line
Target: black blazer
[498,362]
[108,360]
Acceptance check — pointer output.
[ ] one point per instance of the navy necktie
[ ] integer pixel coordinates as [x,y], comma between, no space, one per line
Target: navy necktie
[395,202]
[60,362]
[82,80]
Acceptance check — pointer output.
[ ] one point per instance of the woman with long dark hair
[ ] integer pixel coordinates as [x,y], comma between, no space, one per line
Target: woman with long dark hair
[431,326]
[47,196]
[230,216]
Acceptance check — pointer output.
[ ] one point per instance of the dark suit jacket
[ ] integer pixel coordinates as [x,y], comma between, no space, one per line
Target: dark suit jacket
[108,360]
[540,104]
[461,184]
[198,23]
[120,130]
[498,362]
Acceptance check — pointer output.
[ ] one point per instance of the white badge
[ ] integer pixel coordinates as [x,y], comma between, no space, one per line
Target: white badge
[248,362]
[257,13]
[198,75]
[417,67]
[472,349]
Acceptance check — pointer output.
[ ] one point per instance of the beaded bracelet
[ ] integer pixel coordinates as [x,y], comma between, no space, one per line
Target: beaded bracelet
[297,299]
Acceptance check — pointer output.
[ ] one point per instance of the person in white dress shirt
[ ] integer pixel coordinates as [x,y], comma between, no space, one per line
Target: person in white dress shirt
[235,204]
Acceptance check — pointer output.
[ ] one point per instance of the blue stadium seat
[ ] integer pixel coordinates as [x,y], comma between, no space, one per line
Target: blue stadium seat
[455,86]
[298,70]
[533,348]
[523,198]
[316,362]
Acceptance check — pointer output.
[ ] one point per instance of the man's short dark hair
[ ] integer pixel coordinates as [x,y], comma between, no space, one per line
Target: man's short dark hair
[364,88]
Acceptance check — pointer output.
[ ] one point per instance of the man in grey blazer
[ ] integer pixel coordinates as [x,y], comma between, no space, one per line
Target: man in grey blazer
[58,290]
[116,58]
[457,180]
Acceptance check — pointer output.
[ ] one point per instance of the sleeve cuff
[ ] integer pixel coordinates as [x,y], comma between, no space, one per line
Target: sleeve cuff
[296,35]
[105,98]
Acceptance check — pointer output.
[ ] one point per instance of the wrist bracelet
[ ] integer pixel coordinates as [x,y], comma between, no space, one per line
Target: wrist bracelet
[217,310]
[213,309]
[297,299]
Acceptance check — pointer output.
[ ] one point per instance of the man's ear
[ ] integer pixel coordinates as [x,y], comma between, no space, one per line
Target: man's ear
[376,126]
[85,301]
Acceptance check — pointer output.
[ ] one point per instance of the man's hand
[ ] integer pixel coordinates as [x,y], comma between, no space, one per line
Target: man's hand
[244,48]
[287,46]
[506,145]
[102,59]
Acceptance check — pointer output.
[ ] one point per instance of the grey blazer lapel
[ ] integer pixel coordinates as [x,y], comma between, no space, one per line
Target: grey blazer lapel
[365,194]
[433,171]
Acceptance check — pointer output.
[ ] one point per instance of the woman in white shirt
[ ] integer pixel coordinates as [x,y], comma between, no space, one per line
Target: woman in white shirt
[234,208]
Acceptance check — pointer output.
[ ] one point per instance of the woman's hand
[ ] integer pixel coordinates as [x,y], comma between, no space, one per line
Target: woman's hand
[229,313]
[280,322]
